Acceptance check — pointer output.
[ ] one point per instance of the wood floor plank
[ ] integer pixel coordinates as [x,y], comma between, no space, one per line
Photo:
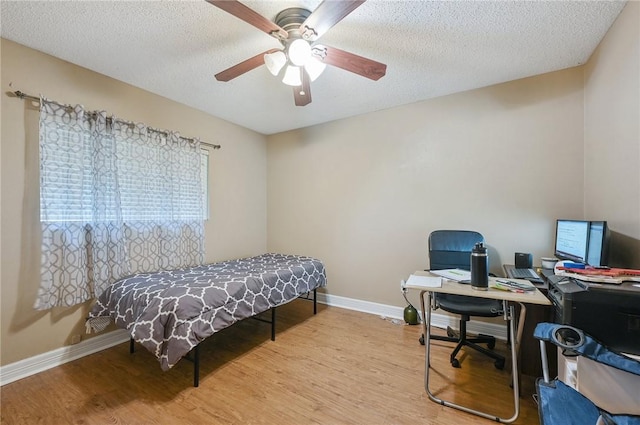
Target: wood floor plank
[337,367]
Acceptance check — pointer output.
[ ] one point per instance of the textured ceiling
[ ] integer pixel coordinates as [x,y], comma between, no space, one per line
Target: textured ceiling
[431,48]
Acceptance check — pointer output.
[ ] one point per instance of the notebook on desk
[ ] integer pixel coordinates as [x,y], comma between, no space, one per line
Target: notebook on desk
[529,274]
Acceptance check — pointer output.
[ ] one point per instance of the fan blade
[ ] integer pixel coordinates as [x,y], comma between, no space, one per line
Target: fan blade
[250,16]
[302,93]
[351,62]
[326,15]
[242,67]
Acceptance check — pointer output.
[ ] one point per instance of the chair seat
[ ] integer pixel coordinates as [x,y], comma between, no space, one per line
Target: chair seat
[469,306]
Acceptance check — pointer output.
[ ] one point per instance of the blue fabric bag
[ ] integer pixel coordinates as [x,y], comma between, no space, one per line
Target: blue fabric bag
[560,404]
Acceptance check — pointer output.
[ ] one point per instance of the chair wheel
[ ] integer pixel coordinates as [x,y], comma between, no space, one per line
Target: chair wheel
[499,364]
[451,333]
[455,363]
[491,344]
[421,340]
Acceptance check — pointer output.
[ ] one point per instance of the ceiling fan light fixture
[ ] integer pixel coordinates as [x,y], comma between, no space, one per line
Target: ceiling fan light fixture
[275,61]
[297,29]
[292,76]
[299,52]
[314,68]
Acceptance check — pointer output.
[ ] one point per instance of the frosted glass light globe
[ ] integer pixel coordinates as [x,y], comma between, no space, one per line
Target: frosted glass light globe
[299,52]
[292,76]
[314,68]
[275,61]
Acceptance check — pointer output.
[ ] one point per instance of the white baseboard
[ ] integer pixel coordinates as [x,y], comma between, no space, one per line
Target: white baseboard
[41,362]
[438,320]
[32,365]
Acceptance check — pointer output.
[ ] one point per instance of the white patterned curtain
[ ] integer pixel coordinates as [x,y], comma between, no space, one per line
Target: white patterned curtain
[116,198]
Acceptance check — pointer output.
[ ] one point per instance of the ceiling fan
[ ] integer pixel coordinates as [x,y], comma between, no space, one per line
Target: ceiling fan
[302,59]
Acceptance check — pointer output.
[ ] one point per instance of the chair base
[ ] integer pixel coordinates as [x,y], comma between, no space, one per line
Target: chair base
[463,341]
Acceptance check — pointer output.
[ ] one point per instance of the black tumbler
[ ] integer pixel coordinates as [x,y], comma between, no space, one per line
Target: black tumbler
[479,267]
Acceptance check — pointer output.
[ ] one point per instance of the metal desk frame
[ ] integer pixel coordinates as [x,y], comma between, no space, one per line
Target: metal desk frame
[507,299]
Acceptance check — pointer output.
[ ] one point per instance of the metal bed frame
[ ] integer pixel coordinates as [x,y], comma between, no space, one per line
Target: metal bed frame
[194,355]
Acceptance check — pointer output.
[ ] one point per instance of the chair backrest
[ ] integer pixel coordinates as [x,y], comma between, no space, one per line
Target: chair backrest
[449,249]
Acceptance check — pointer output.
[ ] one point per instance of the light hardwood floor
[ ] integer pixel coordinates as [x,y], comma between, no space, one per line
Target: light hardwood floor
[338,367]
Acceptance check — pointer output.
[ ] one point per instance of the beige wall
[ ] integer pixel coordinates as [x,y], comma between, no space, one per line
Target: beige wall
[363,193]
[238,194]
[612,135]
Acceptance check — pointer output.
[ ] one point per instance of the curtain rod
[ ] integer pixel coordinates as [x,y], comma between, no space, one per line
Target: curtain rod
[23,96]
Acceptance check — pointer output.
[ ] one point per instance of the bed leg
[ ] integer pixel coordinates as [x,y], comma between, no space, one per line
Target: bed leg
[315,301]
[273,324]
[132,346]
[196,366]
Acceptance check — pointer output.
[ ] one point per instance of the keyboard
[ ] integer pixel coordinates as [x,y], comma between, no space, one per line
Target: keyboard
[523,274]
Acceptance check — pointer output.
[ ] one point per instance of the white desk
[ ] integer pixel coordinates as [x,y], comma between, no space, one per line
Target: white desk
[452,287]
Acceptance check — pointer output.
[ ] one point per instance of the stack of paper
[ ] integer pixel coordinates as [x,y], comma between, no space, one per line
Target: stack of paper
[424,281]
[453,274]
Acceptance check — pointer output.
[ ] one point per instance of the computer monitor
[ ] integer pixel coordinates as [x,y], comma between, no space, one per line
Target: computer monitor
[598,251]
[572,240]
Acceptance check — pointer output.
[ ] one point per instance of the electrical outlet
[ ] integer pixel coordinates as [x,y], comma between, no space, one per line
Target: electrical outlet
[76,338]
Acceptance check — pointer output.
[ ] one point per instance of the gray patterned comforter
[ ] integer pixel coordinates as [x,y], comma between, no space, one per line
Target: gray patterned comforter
[171,312]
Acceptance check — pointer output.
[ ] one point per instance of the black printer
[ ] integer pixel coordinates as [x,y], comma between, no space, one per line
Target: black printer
[609,313]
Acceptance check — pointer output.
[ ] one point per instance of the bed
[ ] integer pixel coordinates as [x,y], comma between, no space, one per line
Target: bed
[171,312]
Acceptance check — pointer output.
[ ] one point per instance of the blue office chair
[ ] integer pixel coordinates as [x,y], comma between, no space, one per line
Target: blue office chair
[450,249]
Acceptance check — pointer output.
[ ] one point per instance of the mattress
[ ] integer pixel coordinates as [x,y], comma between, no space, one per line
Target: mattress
[171,312]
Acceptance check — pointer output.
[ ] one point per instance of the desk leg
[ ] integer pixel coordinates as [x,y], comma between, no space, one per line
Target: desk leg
[426,331]
[515,345]
[509,317]
[518,339]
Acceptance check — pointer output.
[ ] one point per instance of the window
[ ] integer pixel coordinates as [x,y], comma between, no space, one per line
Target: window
[140,179]
[116,198]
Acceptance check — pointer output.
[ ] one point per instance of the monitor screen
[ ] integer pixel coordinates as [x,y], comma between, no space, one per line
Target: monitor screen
[598,251]
[572,239]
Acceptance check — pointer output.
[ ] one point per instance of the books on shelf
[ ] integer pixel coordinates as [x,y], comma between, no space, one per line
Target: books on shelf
[600,275]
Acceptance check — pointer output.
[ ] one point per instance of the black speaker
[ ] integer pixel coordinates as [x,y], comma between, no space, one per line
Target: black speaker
[523,260]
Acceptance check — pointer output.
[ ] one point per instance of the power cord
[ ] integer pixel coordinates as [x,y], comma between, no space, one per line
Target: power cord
[403,289]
